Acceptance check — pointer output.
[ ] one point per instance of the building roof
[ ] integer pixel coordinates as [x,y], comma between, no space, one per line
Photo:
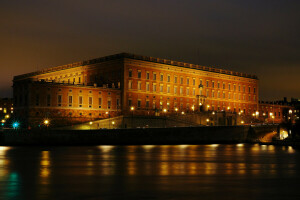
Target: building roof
[136,57]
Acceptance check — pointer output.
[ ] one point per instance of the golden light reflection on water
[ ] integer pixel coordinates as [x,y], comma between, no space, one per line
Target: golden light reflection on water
[4,162]
[106,148]
[45,166]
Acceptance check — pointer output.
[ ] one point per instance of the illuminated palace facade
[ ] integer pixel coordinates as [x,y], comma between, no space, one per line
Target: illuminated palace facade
[110,86]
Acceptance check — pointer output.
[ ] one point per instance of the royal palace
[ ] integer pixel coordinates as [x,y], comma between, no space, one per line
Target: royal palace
[115,85]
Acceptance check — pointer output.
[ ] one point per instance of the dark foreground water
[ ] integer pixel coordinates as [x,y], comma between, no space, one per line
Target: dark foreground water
[239,171]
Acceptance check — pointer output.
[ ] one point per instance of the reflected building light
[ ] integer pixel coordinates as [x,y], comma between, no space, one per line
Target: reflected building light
[164,168]
[183,146]
[240,145]
[3,160]
[45,167]
[106,148]
[214,145]
[3,150]
[291,150]
[148,148]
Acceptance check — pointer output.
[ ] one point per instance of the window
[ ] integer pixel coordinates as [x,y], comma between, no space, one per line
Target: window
[175,79]
[59,100]
[80,101]
[139,74]
[239,88]
[37,99]
[194,91]
[147,75]
[161,77]
[90,102]
[200,91]
[213,94]
[169,78]
[48,99]
[254,98]
[187,91]
[224,86]
[129,84]
[249,97]
[181,90]
[139,103]
[70,101]
[207,83]
[249,89]
[154,75]
[168,89]
[129,102]
[147,86]
[229,86]
[118,103]
[108,103]
[139,85]
[254,90]
[187,80]
[100,102]
[218,94]
[223,95]
[175,90]
[229,95]
[147,103]
[218,84]
[181,80]
[213,84]
[79,80]
[153,105]
[207,93]
[154,87]
[161,88]
[194,81]
[200,82]
[234,87]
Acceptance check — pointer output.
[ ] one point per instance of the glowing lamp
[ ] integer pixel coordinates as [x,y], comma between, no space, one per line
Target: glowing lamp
[46,122]
[132,108]
[16,125]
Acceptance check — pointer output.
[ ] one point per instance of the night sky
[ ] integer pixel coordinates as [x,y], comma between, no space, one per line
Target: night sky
[259,37]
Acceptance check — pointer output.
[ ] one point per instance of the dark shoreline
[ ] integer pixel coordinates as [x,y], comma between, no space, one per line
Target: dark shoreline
[146,136]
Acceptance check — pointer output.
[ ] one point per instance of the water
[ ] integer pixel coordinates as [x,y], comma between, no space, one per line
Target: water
[239,171]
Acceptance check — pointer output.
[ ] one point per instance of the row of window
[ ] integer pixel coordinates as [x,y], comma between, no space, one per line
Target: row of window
[212,94]
[80,101]
[209,83]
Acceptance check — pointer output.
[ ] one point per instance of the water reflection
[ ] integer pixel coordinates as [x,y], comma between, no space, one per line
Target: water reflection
[73,170]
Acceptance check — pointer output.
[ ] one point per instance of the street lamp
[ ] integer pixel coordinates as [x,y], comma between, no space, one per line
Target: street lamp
[131,109]
[46,122]
[113,123]
[91,123]
[207,120]
[16,125]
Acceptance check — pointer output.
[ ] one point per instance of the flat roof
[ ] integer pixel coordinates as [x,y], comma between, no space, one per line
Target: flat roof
[136,57]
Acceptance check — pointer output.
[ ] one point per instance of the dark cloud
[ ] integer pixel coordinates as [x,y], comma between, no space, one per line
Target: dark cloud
[255,37]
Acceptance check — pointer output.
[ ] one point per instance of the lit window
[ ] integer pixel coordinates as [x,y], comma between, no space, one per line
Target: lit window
[139,74]
[130,73]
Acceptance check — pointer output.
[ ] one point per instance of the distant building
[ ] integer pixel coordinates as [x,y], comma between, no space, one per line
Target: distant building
[112,85]
[6,110]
